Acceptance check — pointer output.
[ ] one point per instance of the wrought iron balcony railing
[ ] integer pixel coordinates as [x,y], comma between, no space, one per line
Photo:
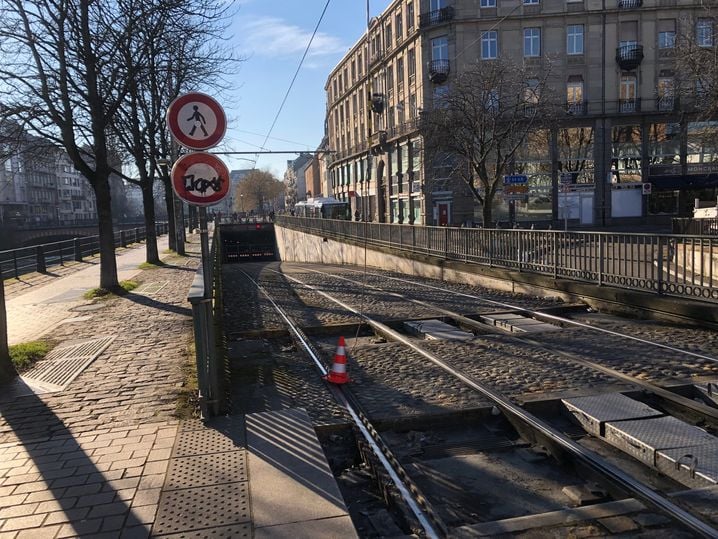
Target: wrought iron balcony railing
[436,17]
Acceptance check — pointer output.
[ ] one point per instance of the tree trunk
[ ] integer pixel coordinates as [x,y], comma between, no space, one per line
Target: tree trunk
[7,370]
[487,211]
[108,262]
[148,205]
[169,203]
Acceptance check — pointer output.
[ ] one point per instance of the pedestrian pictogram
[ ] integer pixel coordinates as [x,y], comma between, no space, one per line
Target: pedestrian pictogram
[196,121]
[200,179]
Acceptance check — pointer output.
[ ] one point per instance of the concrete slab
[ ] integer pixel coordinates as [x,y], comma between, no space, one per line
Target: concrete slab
[438,330]
[329,528]
[290,480]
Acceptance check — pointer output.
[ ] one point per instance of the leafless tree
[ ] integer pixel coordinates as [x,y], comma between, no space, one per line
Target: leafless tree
[63,78]
[257,189]
[184,52]
[479,125]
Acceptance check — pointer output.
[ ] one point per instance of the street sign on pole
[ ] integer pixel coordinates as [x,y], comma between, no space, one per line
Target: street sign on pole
[200,179]
[516,187]
[196,121]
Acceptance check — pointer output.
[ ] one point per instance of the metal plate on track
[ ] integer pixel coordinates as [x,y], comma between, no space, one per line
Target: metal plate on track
[694,466]
[205,470]
[199,508]
[64,363]
[594,411]
[642,438]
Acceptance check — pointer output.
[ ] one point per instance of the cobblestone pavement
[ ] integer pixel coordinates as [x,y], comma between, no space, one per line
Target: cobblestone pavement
[90,460]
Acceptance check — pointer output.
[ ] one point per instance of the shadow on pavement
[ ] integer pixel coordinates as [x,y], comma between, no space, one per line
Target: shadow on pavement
[153,303]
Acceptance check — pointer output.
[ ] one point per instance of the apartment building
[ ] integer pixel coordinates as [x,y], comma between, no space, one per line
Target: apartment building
[627,146]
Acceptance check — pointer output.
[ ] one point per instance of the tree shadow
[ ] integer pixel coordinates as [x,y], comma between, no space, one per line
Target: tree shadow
[154,304]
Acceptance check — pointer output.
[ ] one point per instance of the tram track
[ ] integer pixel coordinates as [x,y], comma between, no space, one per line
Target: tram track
[529,421]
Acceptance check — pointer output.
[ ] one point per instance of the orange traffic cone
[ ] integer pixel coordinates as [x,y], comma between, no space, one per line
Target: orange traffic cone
[338,374]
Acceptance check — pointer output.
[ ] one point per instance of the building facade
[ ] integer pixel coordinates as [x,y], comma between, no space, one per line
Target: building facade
[628,144]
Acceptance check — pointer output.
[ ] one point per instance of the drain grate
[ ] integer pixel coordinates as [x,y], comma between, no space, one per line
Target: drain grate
[63,364]
[205,470]
[150,289]
[199,508]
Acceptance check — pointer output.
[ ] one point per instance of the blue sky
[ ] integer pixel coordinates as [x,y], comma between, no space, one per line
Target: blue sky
[272,36]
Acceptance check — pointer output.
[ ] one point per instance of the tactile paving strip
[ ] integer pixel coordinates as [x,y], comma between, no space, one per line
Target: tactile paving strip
[208,440]
[190,509]
[149,289]
[229,532]
[64,363]
[205,470]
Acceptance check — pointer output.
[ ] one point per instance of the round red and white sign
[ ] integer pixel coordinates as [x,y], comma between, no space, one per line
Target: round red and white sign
[200,179]
[196,121]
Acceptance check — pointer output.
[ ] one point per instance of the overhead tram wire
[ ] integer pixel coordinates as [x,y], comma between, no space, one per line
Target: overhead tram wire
[294,78]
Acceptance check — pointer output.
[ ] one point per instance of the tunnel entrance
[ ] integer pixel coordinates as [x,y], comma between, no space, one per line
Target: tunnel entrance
[248,242]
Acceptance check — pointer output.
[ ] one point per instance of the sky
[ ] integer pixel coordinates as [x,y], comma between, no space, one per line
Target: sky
[272,35]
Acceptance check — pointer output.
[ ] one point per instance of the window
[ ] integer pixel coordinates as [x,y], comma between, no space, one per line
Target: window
[390,80]
[412,106]
[627,93]
[435,5]
[532,42]
[400,74]
[574,39]
[440,48]
[410,16]
[488,3]
[399,27]
[489,45]
[530,2]
[388,36]
[574,91]
[354,70]
[440,94]
[531,92]
[411,65]
[665,93]
[360,64]
[491,101]
[704,33]
[666,34]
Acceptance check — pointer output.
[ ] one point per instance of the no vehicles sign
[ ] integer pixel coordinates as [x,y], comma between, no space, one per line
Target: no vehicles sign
[196,121]
[200,179]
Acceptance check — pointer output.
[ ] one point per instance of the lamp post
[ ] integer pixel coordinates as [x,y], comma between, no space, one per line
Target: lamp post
[241,203]
[164,165]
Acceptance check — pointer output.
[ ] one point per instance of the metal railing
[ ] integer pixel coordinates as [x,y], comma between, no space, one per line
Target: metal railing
[17,262]
[698,227]
[683,266]
[207,322]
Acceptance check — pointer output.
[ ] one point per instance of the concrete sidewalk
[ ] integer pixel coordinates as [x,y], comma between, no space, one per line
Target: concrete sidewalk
[104,456]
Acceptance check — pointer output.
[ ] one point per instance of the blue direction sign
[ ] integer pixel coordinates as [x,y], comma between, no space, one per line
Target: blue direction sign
[514,179]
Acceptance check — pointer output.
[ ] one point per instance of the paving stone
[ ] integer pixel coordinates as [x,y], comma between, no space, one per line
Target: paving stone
[619,524]
[81,528]
[20,523]
[109,509]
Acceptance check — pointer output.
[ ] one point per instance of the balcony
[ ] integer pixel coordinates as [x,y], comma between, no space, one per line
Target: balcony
[577,108]
[629,57]
[438,71]
[666,103]
[629,4]
[436,17]
[630,105]
[375,58]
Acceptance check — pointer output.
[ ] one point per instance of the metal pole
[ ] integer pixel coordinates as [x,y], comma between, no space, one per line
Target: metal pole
[179,224]
[204,241]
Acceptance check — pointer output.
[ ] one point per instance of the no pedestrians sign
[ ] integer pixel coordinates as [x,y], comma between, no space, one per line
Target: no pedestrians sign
[200,179]
[196,121]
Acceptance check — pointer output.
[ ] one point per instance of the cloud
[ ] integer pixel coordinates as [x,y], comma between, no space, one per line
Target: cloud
[272,37]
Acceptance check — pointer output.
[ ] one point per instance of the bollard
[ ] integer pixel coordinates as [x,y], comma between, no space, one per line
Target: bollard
[40,259]
[78,250]
[123,238]
[137,235]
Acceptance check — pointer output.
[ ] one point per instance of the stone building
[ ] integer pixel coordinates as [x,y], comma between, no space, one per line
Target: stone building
[628,147]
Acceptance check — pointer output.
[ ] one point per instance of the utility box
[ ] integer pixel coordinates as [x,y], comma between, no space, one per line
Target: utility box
[595,411]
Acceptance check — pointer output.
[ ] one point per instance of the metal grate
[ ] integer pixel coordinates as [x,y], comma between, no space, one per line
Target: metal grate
[205,470]
[64,363]
[225,532]
[199,508]
[150,289]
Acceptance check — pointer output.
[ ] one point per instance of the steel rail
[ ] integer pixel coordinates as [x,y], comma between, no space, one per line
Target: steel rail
[594,461]
[549,317]
[393,474]
[698,407]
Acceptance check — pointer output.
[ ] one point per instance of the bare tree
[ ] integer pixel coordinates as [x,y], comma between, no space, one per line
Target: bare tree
[477,127]
[257,189]
[184,51]
[63,78]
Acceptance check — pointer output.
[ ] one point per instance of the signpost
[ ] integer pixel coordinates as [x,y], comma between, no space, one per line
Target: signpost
[515,188]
